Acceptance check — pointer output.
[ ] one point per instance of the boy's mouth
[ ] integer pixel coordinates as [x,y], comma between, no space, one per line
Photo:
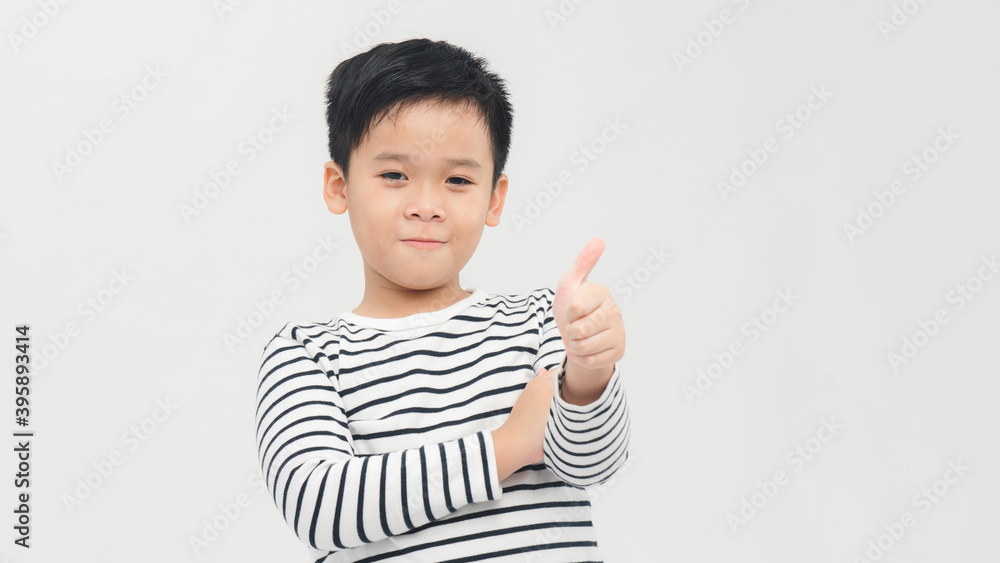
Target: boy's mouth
[427,244]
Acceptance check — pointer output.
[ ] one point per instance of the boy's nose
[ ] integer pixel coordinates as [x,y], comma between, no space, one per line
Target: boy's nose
[425,203]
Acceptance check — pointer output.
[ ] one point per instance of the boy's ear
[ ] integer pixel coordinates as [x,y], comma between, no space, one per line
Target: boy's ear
[496,202]
[334,187]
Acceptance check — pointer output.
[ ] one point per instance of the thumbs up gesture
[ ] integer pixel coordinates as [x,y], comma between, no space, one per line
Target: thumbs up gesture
[591,327]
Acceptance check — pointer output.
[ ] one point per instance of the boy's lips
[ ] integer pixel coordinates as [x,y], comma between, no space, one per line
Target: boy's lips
[424,243]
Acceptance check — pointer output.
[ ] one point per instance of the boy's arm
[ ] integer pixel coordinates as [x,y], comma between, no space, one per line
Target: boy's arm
[331,498]
[584,444]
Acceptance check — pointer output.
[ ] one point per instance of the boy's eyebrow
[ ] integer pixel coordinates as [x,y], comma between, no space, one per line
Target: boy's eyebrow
[402,157]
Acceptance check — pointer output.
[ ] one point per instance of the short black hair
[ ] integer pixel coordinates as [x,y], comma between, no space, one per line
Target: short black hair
[392,76]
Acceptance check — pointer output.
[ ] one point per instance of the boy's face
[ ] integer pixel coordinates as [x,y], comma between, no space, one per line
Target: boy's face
[423,175]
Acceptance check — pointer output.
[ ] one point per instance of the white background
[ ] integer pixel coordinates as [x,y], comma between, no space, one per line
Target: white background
[64,236]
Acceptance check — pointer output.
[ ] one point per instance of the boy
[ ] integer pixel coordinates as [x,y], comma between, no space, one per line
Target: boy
[414,427]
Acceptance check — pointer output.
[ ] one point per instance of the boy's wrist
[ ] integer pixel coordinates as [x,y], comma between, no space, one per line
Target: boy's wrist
[505,451]
[582,386]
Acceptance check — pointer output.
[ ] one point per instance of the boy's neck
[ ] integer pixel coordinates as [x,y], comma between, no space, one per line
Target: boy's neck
[386,303]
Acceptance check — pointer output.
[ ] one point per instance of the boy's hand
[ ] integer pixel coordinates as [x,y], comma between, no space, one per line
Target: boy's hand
[518,442]
[591,326]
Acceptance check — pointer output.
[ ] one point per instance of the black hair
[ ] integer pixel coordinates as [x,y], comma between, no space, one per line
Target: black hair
[392,76]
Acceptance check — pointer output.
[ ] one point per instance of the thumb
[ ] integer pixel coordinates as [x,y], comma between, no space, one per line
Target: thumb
[584,263]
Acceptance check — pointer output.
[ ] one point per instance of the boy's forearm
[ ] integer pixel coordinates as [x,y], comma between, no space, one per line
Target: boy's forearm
[582,386]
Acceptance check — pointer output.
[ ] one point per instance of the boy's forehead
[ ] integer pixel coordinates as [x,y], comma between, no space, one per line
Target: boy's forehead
[419,128]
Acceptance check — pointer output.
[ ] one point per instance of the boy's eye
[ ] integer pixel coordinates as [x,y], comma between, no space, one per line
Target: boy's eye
[392,179]
[464,182]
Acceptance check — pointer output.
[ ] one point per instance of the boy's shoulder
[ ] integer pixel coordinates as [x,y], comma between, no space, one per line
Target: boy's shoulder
[300,332]
[534,295]
[534,299]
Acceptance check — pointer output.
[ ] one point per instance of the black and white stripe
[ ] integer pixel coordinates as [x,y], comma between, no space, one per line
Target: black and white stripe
[374,436]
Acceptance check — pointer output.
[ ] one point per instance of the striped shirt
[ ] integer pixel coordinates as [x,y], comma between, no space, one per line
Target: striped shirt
[374,436]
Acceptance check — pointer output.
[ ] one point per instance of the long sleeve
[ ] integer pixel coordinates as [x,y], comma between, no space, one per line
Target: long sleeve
[584,444]
[331,498]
